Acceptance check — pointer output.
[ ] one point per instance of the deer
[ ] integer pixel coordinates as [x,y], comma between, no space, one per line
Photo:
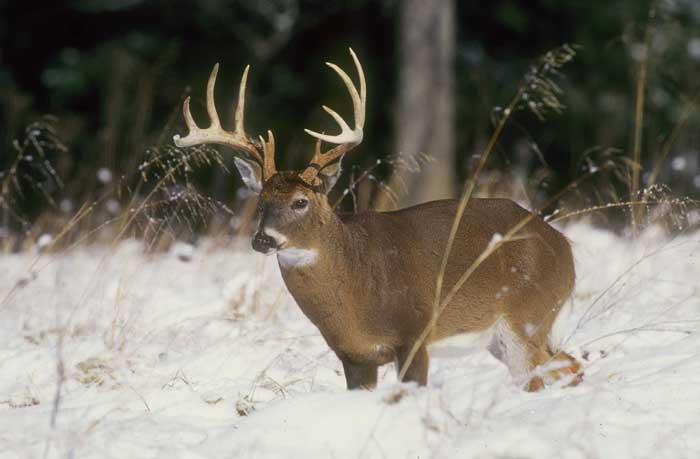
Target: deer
[367,281]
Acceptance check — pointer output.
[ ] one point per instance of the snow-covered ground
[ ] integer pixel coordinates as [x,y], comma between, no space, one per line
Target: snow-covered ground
[202,353]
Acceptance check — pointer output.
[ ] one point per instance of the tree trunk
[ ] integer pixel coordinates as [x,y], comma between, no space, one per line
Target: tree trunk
[426,101]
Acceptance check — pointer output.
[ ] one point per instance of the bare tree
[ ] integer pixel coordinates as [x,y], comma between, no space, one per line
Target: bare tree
[426,100]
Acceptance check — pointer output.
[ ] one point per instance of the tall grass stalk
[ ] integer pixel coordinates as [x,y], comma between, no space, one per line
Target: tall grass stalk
[635,212]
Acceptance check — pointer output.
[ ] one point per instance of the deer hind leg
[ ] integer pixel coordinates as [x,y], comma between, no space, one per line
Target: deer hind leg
[524,350]
[512,348]
[562,365]
[549,367]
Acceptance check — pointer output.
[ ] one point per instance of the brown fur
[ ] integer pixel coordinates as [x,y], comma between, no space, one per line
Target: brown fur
[371,289]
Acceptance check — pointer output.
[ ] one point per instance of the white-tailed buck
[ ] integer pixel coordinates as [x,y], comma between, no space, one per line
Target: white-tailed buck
[368,281]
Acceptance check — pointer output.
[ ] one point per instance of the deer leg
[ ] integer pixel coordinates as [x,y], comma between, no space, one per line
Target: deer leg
[564,366]
[553,367]
[418,368]
[520,354]
[527,356]
[360,375]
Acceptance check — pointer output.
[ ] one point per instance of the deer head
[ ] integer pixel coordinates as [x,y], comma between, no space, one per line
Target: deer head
[293,204]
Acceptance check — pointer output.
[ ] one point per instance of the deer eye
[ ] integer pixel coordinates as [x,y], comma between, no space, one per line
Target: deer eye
[299,204]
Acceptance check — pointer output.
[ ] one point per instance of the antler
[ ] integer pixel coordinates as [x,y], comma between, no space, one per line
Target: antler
[264,153]
[348,138]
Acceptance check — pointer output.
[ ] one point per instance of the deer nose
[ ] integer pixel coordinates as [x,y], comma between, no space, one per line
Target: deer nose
[263,243]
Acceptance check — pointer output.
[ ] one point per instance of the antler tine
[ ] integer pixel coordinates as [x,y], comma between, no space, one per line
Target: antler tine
[216,134]
[240,107]
[360,114]
[191,125]
[268,154]
[318,156]
[211,107]
[348,138]
[347,135]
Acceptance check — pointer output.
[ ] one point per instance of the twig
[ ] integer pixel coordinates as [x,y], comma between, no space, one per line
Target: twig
[639,119]
[60,375]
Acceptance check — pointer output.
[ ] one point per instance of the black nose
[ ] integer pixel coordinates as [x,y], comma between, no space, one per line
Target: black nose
[263,243]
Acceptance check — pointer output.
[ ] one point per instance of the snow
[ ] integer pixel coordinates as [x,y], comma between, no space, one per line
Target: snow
[679,163]
[495,239]
[44,240]
[206,355]
[104,175]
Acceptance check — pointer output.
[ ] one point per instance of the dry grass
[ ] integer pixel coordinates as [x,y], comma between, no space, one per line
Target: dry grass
[658,202]
[638,123]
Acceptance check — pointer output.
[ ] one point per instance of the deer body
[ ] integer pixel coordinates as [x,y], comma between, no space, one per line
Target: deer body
[368,281]
[371,287]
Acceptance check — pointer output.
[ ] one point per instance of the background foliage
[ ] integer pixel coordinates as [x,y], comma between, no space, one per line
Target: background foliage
[113,75]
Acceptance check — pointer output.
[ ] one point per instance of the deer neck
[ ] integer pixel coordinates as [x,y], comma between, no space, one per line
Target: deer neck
[327,252]
[320,275]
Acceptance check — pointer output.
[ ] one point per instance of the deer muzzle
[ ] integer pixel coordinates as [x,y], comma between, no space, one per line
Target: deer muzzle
[264,243]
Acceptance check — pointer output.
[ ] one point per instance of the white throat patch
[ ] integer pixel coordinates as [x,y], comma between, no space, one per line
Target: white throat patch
[296,258]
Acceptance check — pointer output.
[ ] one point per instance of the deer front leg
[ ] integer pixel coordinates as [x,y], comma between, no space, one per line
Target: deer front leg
[360,375]
[418,368]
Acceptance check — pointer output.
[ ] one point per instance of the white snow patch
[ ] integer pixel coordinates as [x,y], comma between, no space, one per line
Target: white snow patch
[66,205]
[679,163]
[44,240]
[104,175]
[212,358]
[113,206]
[495,239]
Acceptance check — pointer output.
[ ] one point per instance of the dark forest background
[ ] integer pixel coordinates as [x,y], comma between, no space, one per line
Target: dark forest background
[112,75]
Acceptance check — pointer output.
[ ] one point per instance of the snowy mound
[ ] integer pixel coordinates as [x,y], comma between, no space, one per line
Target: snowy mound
[202,353]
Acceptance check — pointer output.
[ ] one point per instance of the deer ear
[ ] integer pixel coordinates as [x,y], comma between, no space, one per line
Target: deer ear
[329,175]
[251,173]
